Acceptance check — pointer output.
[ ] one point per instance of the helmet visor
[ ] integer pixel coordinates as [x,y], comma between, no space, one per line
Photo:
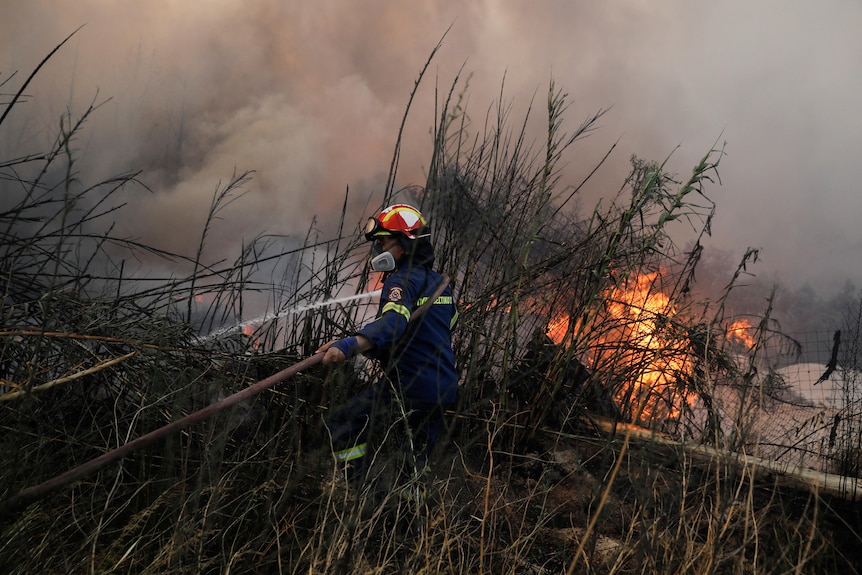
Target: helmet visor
[374,229]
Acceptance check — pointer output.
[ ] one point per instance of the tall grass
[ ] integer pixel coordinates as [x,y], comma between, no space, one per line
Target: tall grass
[524,481]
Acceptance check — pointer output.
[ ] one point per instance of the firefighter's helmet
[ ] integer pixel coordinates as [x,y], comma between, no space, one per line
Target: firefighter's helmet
[397,220]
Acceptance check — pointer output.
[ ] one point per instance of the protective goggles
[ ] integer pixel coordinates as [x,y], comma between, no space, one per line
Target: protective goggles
[374,228]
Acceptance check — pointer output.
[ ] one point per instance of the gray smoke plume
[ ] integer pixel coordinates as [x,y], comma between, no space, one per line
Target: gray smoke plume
[310,96]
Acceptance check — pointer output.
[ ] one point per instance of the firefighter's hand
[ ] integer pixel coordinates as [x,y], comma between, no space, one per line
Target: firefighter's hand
[339,350]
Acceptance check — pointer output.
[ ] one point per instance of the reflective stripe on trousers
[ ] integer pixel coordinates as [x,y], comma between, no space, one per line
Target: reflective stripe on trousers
[351,453]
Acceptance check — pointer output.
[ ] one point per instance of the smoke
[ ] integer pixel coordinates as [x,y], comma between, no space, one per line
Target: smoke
[310,96]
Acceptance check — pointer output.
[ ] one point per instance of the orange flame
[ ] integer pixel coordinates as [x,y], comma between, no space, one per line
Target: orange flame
[249,331]
[740,332]
[635,340]
[557,328]
[197,297]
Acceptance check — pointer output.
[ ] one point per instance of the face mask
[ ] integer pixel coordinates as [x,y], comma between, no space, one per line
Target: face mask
[384,262]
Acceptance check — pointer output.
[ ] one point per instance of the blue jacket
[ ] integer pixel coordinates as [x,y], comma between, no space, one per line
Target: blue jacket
[416,355]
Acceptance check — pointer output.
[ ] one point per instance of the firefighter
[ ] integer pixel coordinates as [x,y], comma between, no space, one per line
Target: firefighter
[416,357]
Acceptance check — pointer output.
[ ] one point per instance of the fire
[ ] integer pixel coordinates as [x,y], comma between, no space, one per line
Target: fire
[249,331]
[634,341]
[639,345]
[740,332]
[557,328]
[196,297]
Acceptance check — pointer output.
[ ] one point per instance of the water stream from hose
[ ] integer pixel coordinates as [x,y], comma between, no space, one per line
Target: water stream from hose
[294,310]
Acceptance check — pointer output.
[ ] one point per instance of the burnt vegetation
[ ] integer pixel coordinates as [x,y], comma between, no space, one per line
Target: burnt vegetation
[572,321]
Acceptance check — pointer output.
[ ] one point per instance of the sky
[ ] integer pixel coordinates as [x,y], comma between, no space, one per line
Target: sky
[310,95]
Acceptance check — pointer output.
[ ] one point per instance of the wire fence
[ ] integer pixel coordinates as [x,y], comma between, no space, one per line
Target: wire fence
[800,407]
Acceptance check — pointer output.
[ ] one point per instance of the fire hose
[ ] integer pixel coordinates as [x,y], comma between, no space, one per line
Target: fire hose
[30,494]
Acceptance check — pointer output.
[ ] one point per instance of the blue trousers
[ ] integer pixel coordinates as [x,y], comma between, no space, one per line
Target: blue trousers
[358,428]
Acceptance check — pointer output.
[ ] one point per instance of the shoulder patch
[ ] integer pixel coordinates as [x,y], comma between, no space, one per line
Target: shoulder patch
[395,293]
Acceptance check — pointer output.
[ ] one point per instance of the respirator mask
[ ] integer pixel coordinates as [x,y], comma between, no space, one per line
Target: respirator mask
[382,261]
